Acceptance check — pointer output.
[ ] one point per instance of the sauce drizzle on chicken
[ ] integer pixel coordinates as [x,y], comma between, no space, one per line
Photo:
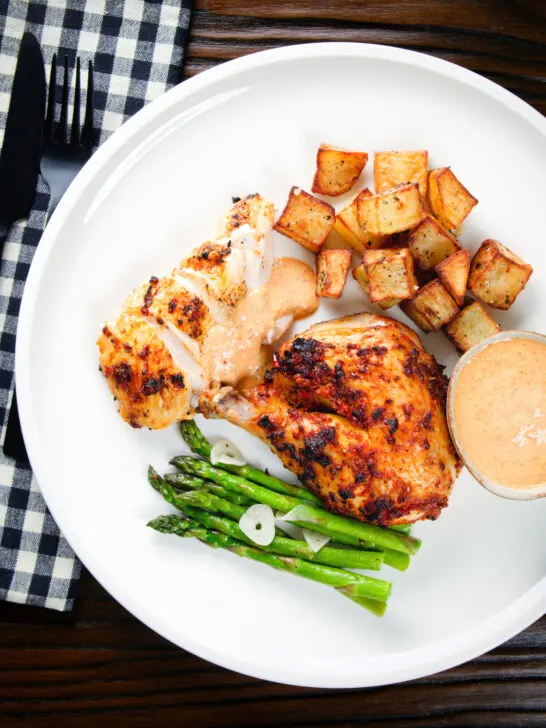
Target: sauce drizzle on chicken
[233,350]
[210,320]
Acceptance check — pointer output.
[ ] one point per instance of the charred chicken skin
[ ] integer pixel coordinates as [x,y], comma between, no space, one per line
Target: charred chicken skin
[150,355]
[356,409]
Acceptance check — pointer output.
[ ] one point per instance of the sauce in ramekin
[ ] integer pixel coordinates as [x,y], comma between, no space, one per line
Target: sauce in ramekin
[498,412]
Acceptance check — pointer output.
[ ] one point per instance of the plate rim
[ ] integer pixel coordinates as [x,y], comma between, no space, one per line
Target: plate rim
[415,663]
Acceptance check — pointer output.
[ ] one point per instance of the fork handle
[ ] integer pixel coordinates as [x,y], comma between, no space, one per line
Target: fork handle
[4,230]
[54,200]
[14,444]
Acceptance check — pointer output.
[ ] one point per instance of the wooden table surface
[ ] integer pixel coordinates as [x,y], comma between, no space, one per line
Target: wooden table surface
[99,664]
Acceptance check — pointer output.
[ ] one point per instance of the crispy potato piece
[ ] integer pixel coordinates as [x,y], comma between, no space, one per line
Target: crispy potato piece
[352,232]
[453,272]
[431,308]
[390,275]
[449,200]
[332,269]
[306,219]
[395,168]
[470,326]
[392,211]
[360,275]
[337,170]
[430,243]
[497,275]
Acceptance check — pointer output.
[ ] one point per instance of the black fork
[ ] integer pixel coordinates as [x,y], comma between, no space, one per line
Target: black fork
[63,156]
[65,153]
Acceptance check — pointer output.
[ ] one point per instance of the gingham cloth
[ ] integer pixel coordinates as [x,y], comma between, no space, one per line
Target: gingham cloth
[137,48]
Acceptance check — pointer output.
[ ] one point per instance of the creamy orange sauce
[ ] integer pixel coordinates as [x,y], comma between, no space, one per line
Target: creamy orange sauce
[499,407]
[233,350]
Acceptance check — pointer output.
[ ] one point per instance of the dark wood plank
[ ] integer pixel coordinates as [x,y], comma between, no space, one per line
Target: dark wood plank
[99,662]
[516,64]
[509,18]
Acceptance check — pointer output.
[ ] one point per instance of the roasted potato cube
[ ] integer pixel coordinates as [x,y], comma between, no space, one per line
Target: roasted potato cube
[392,211]
[497,275]
[360,275]
[337,170]
[449,200]
[352,232]
[390,275]
[453,272]
[430,243]
[332,269]
[470,326]
[395,168]
[432,307]
[306,219]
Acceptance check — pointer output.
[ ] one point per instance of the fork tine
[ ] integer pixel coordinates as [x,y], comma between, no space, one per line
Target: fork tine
[49,124]
[63,122]
[87,131]
[75,133]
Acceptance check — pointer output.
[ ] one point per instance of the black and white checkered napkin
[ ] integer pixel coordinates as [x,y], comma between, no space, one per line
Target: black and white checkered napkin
[137,48]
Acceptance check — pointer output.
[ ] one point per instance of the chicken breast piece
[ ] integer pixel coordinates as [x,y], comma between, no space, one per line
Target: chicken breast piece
[239,260]
[223,267]
[170,317]
[166,301]
[253,211]
[356,409]
[150,389]
[248,227]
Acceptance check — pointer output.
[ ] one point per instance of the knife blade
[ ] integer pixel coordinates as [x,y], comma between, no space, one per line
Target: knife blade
[22,147]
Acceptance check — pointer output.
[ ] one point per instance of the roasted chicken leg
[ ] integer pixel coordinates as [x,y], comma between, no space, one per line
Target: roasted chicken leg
[356,409]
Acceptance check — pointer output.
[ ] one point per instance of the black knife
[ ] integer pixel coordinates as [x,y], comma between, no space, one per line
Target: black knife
[19,169]
[22,147]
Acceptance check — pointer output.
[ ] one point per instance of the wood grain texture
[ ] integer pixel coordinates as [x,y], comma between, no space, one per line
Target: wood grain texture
[99,664]
[517,64]
[508,18]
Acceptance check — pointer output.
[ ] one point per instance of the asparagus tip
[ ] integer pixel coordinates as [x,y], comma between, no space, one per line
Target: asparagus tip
[172,523]
[154,479]
[163,524]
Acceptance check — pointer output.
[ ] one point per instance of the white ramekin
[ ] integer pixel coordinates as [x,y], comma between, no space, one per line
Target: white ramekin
[514,493]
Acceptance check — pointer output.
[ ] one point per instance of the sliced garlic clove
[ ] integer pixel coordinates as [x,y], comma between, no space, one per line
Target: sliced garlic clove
[258,523]
[315,540]
[295,532]
[296,514]
[225,452]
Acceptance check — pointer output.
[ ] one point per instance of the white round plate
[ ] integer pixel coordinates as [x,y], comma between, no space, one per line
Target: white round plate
[153,192]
